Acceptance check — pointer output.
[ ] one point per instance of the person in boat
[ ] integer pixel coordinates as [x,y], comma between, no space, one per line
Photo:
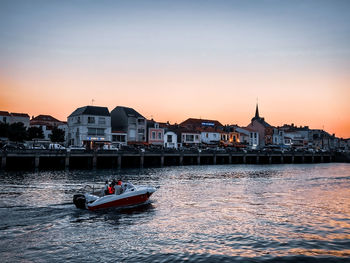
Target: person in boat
[111,189]
[105,189]
[118,188]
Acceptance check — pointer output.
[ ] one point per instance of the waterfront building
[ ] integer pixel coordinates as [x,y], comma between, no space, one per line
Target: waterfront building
[170,139]
[243,135]
[209,136]
[170,135]
[119,138]
[155,134]
[5,117]
[225,138]
[131,122]
[193,124]
[278,136]
[300,136]
[259,125]
[47,124]
[189,138]
[13,117]
[89,126]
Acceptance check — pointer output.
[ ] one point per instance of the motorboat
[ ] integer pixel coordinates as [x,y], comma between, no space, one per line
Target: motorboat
[131,195]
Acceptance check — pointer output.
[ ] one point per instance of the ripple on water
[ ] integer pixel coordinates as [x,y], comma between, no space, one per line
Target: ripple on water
[238,213]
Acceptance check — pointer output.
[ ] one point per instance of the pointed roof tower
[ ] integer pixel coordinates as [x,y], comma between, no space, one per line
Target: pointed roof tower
[257,111]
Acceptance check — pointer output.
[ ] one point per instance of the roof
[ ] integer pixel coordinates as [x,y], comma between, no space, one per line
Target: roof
[130,112]
[200,122]
[4,113]
[47,118]
[91,110]
[25,115]
[261,121]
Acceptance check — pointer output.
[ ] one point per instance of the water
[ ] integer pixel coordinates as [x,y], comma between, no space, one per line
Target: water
[243,213]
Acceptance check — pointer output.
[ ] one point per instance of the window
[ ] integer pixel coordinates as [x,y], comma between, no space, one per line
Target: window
[169,138]
[140,121]
[206,135]
[91,119]
[132,120]
[96,131]
[118,138]
[101,120]
[214,135]
[189,138]
[197,137]
[140,130]
[153,135]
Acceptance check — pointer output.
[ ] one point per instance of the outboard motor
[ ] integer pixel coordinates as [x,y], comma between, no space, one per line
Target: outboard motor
[79,200]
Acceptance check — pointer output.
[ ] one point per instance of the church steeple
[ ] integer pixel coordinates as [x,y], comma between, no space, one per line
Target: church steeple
[257,111]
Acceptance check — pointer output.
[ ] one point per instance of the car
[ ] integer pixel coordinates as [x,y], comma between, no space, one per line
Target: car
[56,146]
[38,147]
[109,147]
[76,148]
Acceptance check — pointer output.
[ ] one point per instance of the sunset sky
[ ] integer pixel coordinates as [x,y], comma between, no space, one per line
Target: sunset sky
[172,60]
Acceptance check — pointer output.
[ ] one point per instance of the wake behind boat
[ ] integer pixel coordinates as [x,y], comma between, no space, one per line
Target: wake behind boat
[127,195]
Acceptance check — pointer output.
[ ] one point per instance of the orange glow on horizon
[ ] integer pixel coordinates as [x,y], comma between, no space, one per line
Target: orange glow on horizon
[231,99]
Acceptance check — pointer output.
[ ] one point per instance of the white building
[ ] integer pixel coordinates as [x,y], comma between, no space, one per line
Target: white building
[189,138]
[210,136]
[170,139]
[89,126]
[278,137]
[14,117]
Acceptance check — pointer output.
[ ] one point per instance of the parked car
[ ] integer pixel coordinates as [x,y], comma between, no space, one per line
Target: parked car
[109,147]
[76,148]
[56,146]
[38,147]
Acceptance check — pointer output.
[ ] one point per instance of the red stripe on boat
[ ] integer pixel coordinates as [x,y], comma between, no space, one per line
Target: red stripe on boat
[132,200]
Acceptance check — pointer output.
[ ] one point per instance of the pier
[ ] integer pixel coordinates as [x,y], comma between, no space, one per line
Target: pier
[55,159]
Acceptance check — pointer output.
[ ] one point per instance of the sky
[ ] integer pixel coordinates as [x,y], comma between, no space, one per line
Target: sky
[173,60]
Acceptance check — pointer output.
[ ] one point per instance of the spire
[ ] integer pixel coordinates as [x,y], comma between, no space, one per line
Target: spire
[257,111]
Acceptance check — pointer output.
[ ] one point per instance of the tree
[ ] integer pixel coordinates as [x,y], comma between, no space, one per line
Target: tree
[17,132]
[57,135]
[4,129]
[35,132]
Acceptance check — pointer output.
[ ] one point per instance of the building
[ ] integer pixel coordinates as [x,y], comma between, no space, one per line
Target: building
[170,139]
[47,124]
[89,126]
[300,137]
[193,124]
[5,117]
[189,138]
[119,138]
[131,122]
[155,134]
[259,125]
[170,135]
[278,136]
[209,136]
[14,117]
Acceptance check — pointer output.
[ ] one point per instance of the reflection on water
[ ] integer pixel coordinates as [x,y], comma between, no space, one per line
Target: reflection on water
[206,213]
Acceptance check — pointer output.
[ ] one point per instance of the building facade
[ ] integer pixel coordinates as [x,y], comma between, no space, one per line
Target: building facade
[13,117]
[131,122]
[89,126]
